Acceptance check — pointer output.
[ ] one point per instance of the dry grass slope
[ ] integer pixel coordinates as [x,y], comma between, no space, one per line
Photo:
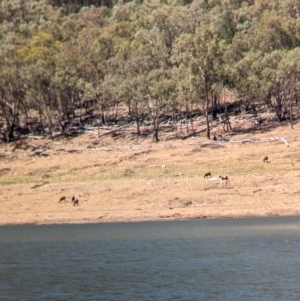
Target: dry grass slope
[122,179]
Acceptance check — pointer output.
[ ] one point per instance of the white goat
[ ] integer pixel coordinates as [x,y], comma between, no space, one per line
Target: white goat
[164,167]
[213,180]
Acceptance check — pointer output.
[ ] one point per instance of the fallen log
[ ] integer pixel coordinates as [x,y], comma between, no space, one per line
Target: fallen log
[110,132]
[35,137]
[249,141]
[286,143]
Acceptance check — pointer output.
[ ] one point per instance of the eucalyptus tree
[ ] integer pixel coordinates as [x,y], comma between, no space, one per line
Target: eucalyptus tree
[155,69]
[28,17]
[41,96]
[289,78]
[90,18]
[202,56]
[66,81]
[12,92]
[94,49]
[38,67]
[286,88]
[15,12]
[270,78]
[272,34]
[146,87]
[113,93]
[254,56]
[186,97]
[245,76]
[151,66]
[133,88]
[12,84]
[261,31]
[77,65]
[159,88]
[104,57]
[290,8]
[136,57]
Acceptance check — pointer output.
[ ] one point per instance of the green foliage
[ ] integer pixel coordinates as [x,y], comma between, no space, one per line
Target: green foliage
[153,56]
[41,47]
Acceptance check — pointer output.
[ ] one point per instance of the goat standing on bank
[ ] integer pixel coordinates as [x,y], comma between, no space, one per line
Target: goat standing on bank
[266,159]
[75,201]
[208,174]
[164,167]
[225,179]
[62,198]
[213,180]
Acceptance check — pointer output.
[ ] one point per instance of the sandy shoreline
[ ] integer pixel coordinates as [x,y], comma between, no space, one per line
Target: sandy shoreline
[218,212]
[137,220]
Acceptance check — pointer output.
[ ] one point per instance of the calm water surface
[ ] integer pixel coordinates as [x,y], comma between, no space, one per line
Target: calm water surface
[239,259]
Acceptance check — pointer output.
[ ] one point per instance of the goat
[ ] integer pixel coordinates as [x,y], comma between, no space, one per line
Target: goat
[266,159]
[164,167]
[225,179]
[62,198]
[213,180]
[75,202]
[208,174]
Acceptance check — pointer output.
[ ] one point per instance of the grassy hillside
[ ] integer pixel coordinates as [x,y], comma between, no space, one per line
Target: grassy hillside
[120,178]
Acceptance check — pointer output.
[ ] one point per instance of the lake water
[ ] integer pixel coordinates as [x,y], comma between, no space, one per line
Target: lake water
[236,259]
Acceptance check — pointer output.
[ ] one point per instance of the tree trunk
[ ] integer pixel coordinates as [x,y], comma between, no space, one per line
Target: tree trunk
[116,112]
[9,133]
[226,121]
[137,126]
[155,134]
[136,117]
[41,122]
[10,127]
[206,112]
[50,126]
[291,115]
[102,114]
[155,128]
[135,110]
[207,124]
[129,108]
[279,110]
[192,124]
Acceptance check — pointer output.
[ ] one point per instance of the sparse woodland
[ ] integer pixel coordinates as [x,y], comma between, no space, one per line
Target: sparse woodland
[66,65]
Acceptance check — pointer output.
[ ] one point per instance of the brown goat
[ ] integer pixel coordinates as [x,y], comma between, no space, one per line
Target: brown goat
[225,179]
[266,159]
[62,198]
[75,202]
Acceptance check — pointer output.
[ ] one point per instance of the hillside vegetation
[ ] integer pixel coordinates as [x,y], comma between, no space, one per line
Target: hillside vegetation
[69,65]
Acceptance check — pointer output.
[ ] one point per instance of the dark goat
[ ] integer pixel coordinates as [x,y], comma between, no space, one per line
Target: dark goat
[75,202]
[208,174]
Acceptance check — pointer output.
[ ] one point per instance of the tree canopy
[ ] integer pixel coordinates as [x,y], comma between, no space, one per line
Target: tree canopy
[153,57]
